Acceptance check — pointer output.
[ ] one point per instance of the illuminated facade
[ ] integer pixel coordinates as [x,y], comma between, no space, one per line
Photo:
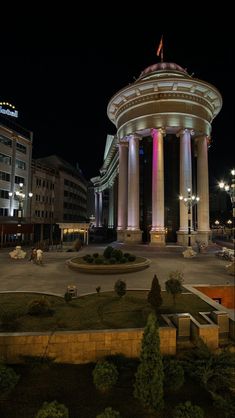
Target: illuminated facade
[15,169]
[163,123]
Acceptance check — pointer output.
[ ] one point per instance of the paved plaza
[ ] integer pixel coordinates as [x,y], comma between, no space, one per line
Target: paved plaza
[54,275]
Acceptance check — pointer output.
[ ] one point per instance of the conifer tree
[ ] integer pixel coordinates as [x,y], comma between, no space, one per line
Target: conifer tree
[154,295]
[148,386]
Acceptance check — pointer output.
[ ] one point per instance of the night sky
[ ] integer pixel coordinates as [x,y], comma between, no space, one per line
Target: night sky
[62,75]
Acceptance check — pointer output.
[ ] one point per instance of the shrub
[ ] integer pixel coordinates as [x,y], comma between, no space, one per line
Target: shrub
[173,375]
[105,375]
[154,295]
[95,255]
[117,254]
[53,410]
[108,252]
[8,379]
[67,297]
[120,288]
[109,413]
[123,260]
[86,257]
[122,362]
[187,410]
[112,260]
[39,307]
[98,289]
[127,255]
[98,260]
[132,257]
[174,284]
[90,260]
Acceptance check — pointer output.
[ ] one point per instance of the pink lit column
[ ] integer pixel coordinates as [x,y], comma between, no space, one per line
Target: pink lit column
[158,230]
[122,190]
[133,232]
[203,190]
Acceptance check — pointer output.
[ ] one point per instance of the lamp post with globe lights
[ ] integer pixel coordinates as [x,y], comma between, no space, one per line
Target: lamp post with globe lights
[190,200]
[21,197]
[230,189]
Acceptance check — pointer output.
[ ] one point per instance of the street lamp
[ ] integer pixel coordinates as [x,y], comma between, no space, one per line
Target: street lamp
[189,201]
[21,197]
[230,189]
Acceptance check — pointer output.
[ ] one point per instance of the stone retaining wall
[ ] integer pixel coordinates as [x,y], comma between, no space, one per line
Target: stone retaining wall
[80,346]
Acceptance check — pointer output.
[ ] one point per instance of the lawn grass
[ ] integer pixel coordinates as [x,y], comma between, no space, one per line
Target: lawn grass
[97,311]
[73,386]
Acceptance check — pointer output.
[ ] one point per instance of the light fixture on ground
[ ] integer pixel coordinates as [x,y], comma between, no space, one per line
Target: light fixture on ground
[21,197]
[230,189]
[190,200]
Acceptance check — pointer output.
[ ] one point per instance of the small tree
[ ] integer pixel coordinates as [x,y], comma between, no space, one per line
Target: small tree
[120,288]
[52,410]
[105,375]
[109,413]
[174,284]
[187,410]
[173,375]
[8,379]
[148,386]
[154,295]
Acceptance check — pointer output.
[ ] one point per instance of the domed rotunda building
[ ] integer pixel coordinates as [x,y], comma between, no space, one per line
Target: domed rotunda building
[159,152]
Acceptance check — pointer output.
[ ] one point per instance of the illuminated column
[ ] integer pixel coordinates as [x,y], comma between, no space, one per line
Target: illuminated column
[185,181]
[100,209]
[122,190]
[133,232]
[158,231]
[203,190]
[111,207]
[96,209]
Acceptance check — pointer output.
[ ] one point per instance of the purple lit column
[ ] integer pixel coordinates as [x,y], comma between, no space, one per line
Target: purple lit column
[122,190]
[158,230]
[133,184]
[185,175]
[203,189]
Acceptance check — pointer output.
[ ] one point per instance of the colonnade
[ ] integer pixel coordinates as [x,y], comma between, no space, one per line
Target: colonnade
[128,217]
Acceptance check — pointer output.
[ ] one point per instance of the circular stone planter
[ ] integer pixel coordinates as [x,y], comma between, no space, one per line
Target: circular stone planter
[139,264]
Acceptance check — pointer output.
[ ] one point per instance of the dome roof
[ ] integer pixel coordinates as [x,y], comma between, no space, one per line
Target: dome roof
[162,66]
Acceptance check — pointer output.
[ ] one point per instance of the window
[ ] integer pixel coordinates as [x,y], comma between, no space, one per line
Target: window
[3,212]
[21,147]
[21,164]
[5,159]
[4,194]
[4,176]
[6,141]
[19,180]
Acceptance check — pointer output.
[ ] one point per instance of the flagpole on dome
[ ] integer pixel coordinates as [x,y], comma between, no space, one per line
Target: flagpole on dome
[160,49]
